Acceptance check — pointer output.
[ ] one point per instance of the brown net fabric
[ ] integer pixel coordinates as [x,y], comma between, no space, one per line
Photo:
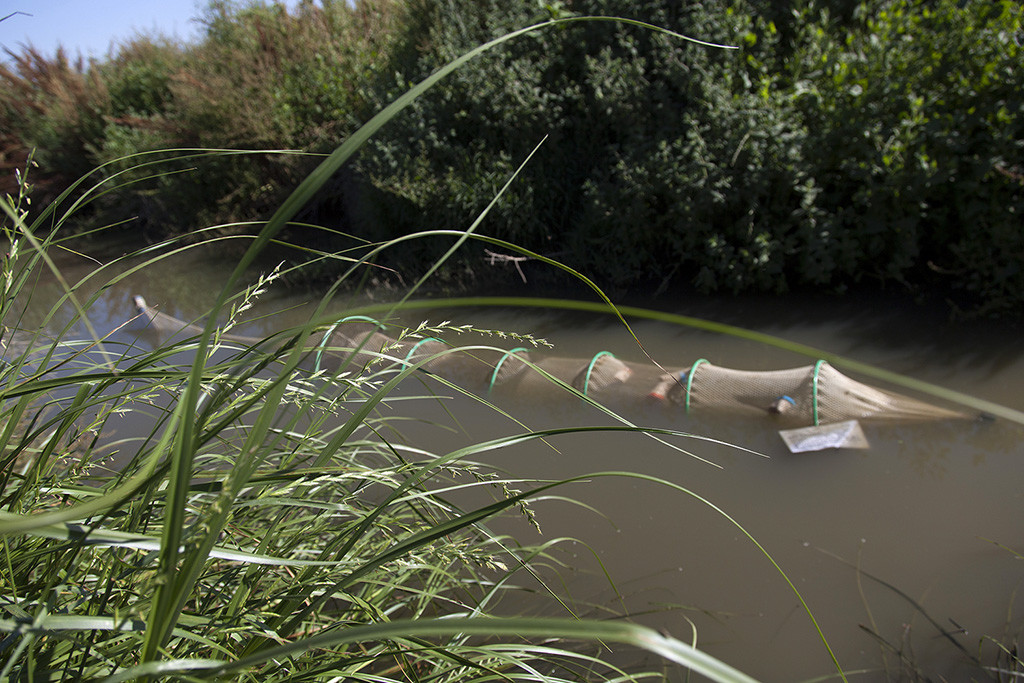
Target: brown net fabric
[817,393]
[813,394]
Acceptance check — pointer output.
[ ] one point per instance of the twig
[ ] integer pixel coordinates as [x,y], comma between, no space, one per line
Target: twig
[494,257]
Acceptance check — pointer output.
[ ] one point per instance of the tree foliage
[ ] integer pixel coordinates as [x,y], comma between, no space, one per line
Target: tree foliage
[868,143]
[840,144]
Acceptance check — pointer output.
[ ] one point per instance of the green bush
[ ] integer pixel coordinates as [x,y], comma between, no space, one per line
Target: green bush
[914,112]
[139,75]
[54,106]
[262,77]
[665,162]
[841,144]
[864,145]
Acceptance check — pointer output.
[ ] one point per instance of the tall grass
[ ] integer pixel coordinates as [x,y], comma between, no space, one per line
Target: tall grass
[264,526]
[280,536]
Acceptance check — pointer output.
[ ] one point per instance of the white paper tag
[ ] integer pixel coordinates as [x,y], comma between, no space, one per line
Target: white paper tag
[846,434]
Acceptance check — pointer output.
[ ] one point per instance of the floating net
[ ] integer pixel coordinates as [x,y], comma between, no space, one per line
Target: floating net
[816,393]
[813,394]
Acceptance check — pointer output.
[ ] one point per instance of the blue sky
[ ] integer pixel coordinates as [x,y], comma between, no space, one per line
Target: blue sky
[91,26]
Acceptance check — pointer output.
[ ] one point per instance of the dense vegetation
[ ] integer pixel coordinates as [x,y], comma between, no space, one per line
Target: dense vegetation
[267,525]
[841,144]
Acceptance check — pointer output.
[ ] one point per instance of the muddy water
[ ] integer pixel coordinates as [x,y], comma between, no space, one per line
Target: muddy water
[879,543]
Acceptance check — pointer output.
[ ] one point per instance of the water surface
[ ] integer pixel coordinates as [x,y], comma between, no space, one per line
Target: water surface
[920,513]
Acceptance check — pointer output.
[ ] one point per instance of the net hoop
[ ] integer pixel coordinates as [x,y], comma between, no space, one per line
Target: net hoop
[814,391]
[689,379]
[590,368]
[497,366]
[330,331]
[417,345]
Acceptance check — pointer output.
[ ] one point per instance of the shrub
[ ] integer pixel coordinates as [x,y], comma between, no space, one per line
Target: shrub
[867,145]
[665,161]
[262,77]
[842,143]
[915,114]
[266,78]
[54,106]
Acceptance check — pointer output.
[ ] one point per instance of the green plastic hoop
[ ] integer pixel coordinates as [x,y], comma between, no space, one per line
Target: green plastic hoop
[590,368]
[814,390]
[417,345]
[689,379]
[497,366]
[330,330]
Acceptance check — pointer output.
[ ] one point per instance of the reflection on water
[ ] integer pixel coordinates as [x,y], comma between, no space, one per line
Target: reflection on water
[919,513]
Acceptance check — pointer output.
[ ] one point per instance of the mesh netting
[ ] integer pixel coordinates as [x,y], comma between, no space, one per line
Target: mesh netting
[814,394]
[817,393]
